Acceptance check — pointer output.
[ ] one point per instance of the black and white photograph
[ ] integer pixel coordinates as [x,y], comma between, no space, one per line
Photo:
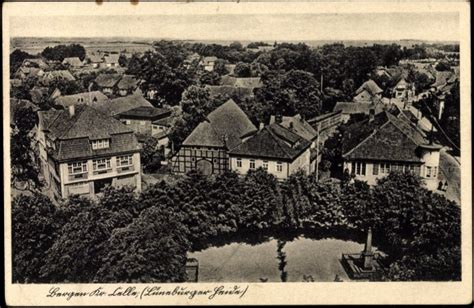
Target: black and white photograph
[232,148]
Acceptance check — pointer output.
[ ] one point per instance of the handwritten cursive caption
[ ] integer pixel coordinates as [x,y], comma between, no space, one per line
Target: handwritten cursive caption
[151,291]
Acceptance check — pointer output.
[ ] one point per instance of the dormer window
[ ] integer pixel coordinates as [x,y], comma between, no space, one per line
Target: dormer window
[100,144]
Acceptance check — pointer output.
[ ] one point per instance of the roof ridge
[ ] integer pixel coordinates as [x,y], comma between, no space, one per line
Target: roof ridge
[272,134]
[402,131]
[78,114]
[375,130]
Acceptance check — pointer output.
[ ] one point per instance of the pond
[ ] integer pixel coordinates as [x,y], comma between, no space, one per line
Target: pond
[317,260]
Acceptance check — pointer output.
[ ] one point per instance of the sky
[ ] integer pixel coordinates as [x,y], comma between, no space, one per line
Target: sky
[360,26]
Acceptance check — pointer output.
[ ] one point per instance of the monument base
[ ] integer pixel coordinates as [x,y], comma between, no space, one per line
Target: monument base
[354,266]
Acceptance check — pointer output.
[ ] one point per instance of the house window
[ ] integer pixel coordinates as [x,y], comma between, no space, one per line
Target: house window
[239,163]
[428,172]
[252,164]
[125,160]
[435,172]
[265,165]
[411,168]
[358,168]
[384,168]
[101,164]
[376,169]
[279,167]
[100,144]
[128,122]
[77,168]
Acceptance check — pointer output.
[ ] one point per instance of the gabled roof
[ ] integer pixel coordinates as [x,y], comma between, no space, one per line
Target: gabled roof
[73,61]
[207,60]
[61,74]
[371,87]
[107,80]
[88,98]
[274,142]
[386,138]
[229,91]
[146,113]
[73,134]
[247,82]
[127,82]
[442,78]
[38,61]
[122,104]
[355,108]
[299,126]
[227,122]
[96,59]
[111,59]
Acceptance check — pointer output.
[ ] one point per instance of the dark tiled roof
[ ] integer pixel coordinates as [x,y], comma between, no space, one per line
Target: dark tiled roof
[73,133]
[62,74]
[299,126]
[370,86]
[273,141]
[127,82]
[354,107]
[122,104]
[107,80]
[164,122]
[229,91]
[386,138]
[249,82]
[89,98]
[227,121]
[146,112]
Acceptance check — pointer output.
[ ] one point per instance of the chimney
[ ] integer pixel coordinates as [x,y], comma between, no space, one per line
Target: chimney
[278,118]
[291,126]
[72,111]
[371,114]
[261,126]
[272,119]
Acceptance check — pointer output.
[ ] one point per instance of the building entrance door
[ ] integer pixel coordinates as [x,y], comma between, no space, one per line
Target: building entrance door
[100,184]
[204,166]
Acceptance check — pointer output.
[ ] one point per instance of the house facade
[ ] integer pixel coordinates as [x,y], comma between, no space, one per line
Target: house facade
[107,83]
[388,142]
[276,149]
[368,92]
[141,119]
[82,151]
[206,148]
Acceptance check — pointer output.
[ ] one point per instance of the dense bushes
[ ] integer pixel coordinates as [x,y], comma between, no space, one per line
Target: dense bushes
[129,238]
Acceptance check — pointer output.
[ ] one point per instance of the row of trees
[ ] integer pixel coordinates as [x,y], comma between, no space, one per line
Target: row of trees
[59,52]
[123,237]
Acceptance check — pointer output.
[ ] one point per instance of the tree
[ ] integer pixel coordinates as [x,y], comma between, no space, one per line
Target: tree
[219,67]
[242,70]
[210,78]
[59,52]
[291,93]
[16,60]
[33,233]
[236,46]
[24,169]
[195,104]
[442,66]
[82,242]
[66,87]
[167,82]
[151,249]
[123,61]
[150,156]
